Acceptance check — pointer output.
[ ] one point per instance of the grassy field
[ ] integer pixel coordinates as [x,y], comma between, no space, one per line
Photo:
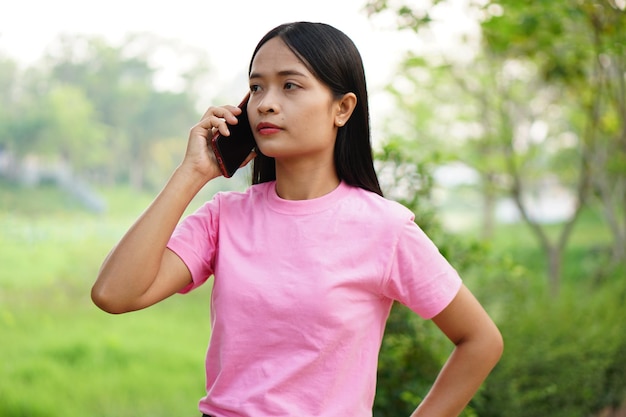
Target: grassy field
[61,356]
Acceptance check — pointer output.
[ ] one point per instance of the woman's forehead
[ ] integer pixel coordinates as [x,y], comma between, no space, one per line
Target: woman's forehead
[276,57]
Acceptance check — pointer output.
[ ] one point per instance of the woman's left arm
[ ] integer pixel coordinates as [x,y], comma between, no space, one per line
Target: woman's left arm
[478,347]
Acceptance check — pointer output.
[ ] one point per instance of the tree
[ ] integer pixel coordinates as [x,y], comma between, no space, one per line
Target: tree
[579,47]
[72,131]
[8,81]
[21,116]
[537,75]
[121,82]
[543,110]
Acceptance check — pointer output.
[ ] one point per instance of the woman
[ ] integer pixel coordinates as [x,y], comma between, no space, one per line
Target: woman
[308,261]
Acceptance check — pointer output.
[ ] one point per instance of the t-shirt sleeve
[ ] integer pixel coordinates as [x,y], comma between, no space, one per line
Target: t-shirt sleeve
[419,275]
[195,241]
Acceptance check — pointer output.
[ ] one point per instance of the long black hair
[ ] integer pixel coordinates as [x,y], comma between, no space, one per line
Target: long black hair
[334,59]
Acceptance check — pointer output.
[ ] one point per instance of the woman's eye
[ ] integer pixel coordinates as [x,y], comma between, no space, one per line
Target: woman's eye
[290,86]
[254,88]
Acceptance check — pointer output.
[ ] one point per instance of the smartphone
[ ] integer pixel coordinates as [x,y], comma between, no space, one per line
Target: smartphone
[232,150]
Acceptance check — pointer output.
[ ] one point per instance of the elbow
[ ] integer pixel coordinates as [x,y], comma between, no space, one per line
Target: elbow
[487,345]
[496,346]
[106,302]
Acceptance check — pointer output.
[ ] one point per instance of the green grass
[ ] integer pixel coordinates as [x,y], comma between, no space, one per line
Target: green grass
[61,356]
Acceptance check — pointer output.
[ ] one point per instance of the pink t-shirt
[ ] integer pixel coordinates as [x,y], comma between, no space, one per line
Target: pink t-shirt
[301,294]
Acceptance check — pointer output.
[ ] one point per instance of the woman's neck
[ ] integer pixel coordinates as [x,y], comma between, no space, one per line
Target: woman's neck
[305,183]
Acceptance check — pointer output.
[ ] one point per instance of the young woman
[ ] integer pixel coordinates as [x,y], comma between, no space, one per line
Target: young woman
[308,261]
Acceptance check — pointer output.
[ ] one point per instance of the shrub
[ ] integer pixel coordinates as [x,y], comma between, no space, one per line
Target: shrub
[564,356]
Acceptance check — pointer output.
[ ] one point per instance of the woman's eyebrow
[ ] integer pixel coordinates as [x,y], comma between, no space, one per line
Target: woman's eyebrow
[283,73]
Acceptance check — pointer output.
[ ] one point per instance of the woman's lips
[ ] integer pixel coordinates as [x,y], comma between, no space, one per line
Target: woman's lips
[267,128]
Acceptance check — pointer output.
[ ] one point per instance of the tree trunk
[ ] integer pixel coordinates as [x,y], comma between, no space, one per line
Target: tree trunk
[489,208]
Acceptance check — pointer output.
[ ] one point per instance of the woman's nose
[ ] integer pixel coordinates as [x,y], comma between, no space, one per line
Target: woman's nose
[268,103]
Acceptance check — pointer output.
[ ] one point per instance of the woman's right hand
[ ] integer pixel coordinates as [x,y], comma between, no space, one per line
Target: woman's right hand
[140,270]
[199,157]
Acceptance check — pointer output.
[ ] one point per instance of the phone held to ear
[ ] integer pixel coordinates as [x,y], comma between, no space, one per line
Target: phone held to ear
[231,151]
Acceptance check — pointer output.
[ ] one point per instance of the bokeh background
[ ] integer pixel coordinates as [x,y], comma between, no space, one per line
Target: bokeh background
[501,124]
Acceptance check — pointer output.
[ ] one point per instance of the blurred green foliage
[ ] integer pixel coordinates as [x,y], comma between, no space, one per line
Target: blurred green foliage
[559,65]
[61,356]
[97,108]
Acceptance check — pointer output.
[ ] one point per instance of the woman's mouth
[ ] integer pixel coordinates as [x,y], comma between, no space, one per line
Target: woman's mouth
[267,128]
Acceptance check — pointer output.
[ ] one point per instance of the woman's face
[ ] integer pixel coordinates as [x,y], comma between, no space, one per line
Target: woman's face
[292,114]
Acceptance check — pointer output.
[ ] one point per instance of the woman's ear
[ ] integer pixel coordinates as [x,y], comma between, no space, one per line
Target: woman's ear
[345,107]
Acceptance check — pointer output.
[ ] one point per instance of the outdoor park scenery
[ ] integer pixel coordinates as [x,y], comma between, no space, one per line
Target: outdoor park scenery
[513,159]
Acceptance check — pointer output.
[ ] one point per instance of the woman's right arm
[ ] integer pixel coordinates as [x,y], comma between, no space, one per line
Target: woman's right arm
[140,270]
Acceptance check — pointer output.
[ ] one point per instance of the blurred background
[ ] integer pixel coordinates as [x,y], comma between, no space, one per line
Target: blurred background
[501,124]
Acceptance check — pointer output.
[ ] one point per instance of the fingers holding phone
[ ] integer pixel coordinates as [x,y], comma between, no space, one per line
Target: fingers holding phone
[199,155]
[220,118]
